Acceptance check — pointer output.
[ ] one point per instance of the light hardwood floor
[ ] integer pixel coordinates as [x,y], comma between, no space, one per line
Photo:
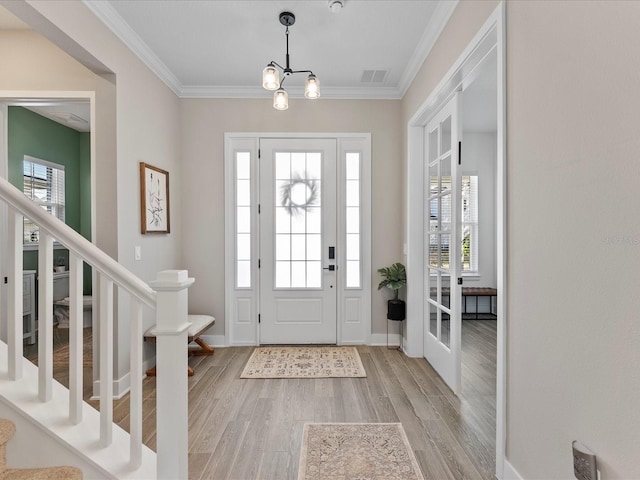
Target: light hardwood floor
[251,429]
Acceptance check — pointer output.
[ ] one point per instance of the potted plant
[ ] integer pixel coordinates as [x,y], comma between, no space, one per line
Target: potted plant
[59,266]
[394,278]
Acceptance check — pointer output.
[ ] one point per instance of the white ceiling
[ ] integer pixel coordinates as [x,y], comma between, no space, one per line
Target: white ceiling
[218,48]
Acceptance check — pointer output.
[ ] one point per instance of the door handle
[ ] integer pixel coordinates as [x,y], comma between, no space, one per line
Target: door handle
[331,268]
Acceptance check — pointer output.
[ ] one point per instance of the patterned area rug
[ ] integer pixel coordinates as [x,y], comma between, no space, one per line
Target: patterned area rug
[304,362]
[356,451]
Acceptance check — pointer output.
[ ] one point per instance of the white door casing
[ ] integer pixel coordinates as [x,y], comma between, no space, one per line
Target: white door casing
[298,277]
[351,197]
[442,320]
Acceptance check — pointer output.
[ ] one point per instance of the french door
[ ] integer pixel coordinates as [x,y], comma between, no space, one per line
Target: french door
[297,241]
[442,322]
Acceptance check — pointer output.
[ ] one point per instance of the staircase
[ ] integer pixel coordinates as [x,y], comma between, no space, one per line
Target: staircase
[29,392]
[7,431]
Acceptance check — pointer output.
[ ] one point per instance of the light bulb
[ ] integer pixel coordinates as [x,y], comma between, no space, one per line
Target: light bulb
[280,99]
[270,78]
[312,87]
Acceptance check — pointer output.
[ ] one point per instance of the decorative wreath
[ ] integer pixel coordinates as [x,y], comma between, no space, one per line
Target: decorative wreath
[312,193]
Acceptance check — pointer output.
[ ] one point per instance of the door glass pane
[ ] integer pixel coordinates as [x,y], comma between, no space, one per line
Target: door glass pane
[353,166]
[433,179]
[243,246]
[314,165]
[298,247]
[314,220]
[283,275]
[434,214]
[353,274]
[283,165]
[445,240]
[298,219]
[314,247]
[353,247]
[243,220]
[243,274]
[298,275]
[446,135]
[314,274]
[445,171]
[433,145]
[433,250]
[353,220]
[283,220]
[445,328]
[243,165]
[353,193]
[434,315]
[243,193]
[298,165]
[283,247]
[445,220]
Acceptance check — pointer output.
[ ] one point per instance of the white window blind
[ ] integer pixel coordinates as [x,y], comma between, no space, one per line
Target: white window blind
[44,184]
[470,223]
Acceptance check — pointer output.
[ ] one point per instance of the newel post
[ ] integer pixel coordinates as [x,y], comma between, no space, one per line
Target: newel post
[172,414]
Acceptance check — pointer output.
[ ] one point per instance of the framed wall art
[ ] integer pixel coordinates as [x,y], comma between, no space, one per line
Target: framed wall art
[154,199]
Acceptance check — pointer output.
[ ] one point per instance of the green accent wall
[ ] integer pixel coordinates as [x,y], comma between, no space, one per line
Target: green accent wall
[34,135]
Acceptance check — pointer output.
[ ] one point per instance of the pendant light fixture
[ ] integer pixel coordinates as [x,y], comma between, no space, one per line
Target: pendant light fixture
[271,74]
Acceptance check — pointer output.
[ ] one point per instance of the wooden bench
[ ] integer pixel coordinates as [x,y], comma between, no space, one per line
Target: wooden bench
[199,324]
[472,292]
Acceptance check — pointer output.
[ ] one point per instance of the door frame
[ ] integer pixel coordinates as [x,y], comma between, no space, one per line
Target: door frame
[353,305]
[491,37]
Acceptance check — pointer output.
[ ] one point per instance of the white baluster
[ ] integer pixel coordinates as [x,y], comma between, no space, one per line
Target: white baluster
[106,360]
[135,395]
[75,339]
[14,325]
[45,316]
[172,412]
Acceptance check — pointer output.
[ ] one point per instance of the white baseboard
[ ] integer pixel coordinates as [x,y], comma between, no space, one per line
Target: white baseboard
[510,473]
[219,341]
[122,385]
[380,340]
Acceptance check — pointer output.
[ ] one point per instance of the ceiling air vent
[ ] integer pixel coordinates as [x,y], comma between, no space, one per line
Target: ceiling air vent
[374,76]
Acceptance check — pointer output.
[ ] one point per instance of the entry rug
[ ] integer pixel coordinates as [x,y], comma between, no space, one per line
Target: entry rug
[355,451]
[304,362]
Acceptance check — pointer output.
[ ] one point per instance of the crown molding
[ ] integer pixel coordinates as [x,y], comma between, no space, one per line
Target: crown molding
[112,19]
[344,93]
[438,20]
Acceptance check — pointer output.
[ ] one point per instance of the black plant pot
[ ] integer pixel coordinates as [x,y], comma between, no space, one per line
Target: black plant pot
[396,310]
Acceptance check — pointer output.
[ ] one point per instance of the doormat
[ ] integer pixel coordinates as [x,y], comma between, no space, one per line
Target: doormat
[354,451]
[304,362]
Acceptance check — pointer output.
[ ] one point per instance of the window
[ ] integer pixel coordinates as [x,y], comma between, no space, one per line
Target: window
[353,219]
[243,219]
[469,223]
[44,184]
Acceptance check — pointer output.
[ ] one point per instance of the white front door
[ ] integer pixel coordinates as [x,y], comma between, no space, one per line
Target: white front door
[442,322]
[297,243]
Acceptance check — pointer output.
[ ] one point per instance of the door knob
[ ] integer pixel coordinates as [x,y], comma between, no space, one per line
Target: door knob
[331,268]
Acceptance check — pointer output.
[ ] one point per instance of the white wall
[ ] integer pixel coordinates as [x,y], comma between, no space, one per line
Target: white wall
[204,123]
[573,335]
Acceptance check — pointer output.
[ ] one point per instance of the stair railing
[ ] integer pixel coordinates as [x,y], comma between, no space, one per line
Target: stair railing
[167,296]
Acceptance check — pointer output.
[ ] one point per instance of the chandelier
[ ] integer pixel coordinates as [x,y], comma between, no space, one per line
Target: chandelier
[271,74]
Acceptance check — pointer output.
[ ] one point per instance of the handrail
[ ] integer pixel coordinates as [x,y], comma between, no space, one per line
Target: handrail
[77,244]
